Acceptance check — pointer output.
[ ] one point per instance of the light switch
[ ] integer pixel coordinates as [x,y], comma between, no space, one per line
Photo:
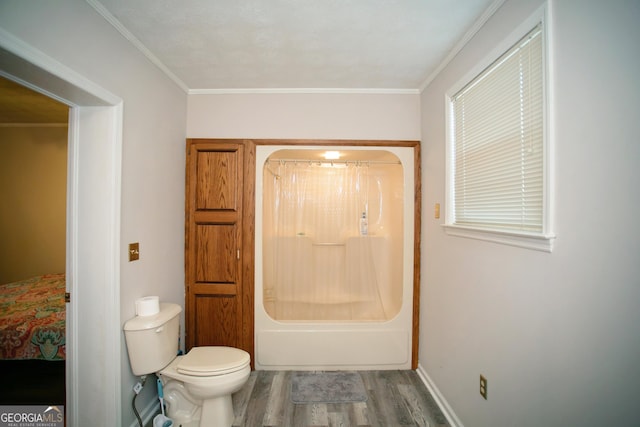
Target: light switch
[134,251]
[436,211]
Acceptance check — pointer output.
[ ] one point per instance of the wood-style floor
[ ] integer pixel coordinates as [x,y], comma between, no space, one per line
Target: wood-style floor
[394,398]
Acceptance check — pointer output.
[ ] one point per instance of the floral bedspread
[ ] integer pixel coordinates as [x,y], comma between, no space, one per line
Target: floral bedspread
[32,318]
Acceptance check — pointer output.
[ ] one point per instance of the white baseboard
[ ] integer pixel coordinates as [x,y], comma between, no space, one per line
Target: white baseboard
[439,398]
[147,413]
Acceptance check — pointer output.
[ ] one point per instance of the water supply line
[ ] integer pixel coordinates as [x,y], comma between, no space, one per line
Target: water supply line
[137,389]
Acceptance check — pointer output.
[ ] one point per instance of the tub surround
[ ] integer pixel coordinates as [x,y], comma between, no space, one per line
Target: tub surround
[328,343]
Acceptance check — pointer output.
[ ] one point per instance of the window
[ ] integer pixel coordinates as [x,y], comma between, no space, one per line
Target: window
[497,150]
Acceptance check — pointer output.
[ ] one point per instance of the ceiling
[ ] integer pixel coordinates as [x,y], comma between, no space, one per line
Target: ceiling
[230,45]
[226,45]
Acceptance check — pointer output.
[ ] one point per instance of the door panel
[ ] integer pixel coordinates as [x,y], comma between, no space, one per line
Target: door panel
[216,180]
[216,320]
[216,253]
[213,243]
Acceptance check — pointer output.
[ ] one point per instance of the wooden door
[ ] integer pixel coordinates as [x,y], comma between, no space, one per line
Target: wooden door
[213,252]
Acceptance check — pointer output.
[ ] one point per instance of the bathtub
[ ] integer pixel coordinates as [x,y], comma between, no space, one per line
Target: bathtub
[366,339]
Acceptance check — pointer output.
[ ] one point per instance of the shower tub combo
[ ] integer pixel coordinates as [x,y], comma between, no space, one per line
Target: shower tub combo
[334,257]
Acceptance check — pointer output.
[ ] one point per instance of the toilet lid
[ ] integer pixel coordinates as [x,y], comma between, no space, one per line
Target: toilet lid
[208,361]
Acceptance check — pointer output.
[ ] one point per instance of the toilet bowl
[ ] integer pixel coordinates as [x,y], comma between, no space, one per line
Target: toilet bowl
[197,386]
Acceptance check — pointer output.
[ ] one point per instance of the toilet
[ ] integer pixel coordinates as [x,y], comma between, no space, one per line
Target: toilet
[197,386]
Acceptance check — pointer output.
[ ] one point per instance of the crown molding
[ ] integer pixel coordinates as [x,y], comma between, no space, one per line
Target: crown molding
[477,25]
[135,42]
[370,91]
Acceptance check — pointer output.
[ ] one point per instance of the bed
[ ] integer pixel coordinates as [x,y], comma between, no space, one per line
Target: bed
[32,341]
[32,319]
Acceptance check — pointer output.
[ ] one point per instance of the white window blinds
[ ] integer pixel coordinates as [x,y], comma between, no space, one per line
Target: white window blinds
[498,161]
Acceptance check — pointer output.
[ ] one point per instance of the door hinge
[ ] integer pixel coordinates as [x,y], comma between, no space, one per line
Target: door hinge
[67,297]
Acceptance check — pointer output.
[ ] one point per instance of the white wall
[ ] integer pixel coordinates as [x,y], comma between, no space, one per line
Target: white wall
[556,334]
[305,116]
[154,123]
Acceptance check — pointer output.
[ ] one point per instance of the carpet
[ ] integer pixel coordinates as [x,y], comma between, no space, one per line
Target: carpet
[327,387]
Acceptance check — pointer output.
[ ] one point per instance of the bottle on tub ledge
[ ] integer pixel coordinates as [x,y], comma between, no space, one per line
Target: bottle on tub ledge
[364,225]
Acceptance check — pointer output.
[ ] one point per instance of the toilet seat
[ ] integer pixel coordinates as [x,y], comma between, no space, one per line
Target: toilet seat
[212,361]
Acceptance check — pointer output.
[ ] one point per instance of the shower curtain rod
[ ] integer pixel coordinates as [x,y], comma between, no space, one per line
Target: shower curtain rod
[332,162]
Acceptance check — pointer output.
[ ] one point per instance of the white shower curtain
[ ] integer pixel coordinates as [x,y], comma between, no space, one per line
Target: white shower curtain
[318,265]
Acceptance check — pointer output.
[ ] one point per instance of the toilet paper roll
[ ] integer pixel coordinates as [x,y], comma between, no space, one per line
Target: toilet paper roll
[147,306]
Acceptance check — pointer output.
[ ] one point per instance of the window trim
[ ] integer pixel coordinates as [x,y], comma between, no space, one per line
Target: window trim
[543,240]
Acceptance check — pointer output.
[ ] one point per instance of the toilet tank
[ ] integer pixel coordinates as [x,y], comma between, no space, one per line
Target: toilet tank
[152,341]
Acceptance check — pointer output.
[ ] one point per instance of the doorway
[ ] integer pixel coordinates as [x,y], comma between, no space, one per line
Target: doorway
[93,229]
[33,181]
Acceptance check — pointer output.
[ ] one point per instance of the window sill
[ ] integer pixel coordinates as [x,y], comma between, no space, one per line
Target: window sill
[538,242]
